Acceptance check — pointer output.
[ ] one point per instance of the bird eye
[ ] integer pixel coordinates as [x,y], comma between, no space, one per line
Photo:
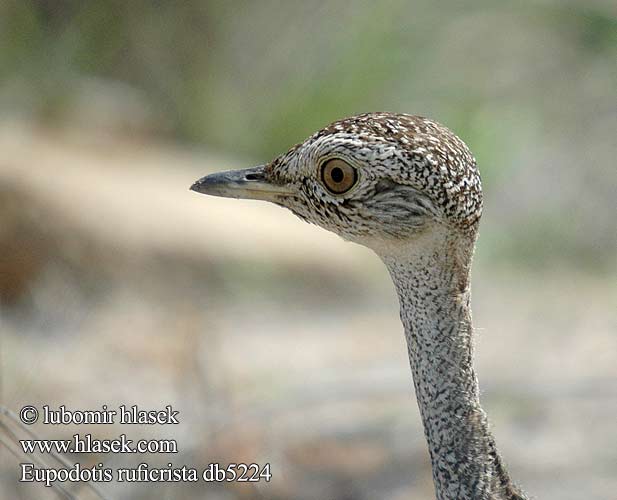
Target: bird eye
[338,176]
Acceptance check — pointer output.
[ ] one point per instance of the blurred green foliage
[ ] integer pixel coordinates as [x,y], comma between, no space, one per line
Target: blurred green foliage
[529,85]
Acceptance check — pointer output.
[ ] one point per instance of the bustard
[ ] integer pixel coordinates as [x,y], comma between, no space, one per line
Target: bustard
[409,189]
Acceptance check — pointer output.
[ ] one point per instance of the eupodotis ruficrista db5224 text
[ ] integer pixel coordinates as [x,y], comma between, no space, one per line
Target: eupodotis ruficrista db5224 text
[409,189]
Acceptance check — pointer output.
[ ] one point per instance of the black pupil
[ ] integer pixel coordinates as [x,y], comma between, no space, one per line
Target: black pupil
[337,174]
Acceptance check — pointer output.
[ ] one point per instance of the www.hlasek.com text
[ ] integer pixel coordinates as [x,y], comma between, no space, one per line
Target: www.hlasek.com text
[89,444]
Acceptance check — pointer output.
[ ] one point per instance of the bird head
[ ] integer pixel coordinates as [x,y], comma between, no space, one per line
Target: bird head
[376,179]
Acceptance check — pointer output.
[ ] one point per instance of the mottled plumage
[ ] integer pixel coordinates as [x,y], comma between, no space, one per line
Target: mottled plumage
[411,191]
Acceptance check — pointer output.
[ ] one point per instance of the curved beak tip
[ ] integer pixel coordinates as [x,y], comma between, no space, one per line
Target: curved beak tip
[196,186]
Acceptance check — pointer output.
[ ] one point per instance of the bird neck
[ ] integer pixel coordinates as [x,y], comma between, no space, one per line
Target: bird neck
[432,282]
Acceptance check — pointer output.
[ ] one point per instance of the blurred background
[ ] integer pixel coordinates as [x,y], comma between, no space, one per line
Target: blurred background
[275,340]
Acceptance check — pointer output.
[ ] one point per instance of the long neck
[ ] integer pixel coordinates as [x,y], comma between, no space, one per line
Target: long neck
[433,290]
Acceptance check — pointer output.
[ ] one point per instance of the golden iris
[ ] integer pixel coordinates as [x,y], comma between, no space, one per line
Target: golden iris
[338,176]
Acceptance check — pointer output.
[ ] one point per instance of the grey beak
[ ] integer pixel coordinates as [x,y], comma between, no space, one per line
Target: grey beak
[249,184]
